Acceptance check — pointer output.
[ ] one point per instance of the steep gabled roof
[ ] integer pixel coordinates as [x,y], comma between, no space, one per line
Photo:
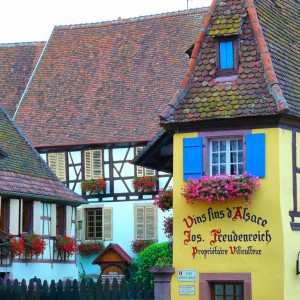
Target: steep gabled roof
[267,82]
[23,173]
[17,64]
[107,82]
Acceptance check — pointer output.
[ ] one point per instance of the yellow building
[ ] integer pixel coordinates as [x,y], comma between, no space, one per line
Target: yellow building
[237,113]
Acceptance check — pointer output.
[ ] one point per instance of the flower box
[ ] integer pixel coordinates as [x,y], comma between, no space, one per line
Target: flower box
[164,199]
[66,245]
[88,248]
[28,245]
[145,184]
[93,185]
[220,188]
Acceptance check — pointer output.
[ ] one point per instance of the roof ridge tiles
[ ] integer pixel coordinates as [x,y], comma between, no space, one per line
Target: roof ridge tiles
[133,19]
[21,43]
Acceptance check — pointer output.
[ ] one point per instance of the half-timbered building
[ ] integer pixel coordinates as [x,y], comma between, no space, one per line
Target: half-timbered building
[92,103]
[33,201]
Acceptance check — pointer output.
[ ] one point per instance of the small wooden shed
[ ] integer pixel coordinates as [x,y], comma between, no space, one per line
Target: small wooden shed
[112,260]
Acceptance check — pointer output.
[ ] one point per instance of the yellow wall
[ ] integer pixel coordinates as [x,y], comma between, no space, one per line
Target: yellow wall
[272,267]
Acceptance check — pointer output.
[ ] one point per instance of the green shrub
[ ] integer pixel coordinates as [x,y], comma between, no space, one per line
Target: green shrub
[158,252]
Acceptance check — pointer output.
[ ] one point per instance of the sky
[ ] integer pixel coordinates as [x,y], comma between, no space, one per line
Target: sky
[33,20]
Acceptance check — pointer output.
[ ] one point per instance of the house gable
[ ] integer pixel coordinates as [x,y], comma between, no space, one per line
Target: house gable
[252,91]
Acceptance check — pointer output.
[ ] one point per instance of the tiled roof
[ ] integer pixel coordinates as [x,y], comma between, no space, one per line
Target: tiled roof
[280,21]
[118,249]
[17,63]
[107,82]
[23,173]
[268,75]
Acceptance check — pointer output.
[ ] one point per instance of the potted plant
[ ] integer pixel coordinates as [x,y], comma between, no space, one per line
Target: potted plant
[88,248]
[66,245]
[28,245]
[139,245]
[220,188]
[145,184]
[93,185]
[164,199]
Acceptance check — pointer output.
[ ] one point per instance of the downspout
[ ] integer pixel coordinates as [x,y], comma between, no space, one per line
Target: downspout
[29,81]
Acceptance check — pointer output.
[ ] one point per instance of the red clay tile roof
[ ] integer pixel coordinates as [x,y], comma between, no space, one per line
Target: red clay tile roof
[264,84]
[115,247]
[23,173]
[17,63]
[107,82]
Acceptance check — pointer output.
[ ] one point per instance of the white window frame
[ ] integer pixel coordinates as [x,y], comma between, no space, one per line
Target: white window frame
[228,155]
[145,222]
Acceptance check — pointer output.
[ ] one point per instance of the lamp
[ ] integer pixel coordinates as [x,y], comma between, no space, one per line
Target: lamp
[79,225]
[297,265]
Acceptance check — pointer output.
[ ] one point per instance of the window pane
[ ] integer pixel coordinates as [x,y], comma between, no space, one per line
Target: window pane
[222,158]
[229,298]
[240,144]
[240,157]
[233,145]
[233,157]
[239,290]
[240,169]
[229,289]
[219,298]
[222,145]
[215,146]
[215,170]
[215,158]
[219,289]
[223,169]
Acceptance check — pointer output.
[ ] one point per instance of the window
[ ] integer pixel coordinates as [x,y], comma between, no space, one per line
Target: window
[141,171]
[60,220]
[225,286]
[57,162]
[93,164]
[145,223]
[27,216]
[99,224]
[226,157]
[227,59]
[226,291]
[226,54]
[210,155]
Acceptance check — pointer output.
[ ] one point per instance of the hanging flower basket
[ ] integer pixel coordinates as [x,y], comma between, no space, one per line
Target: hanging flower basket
[93,185]
[138,246]
[164,199]
[28,245]
[67,245]
[168,226]
[145,184]
[220,188]
[88,248]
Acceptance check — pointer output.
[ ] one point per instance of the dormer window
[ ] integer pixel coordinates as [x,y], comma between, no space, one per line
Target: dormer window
[227,56]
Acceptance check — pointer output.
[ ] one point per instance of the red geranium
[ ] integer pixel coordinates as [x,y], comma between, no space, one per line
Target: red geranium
[67,244]
[93,185]
[145,184]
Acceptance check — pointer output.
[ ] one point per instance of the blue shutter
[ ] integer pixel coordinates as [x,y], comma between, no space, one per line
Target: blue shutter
[255,154]
[192,158]
[226,55]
